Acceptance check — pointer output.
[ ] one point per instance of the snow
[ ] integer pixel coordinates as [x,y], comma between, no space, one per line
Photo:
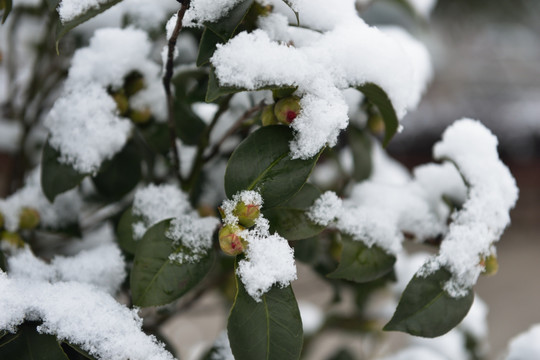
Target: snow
[269,259]
[71,9]
[202,11]
[312,317]
[423,7]
[10,135]
[320,69]
[80,314]
[63,211]
[325,209]
[525,346]
[485,214]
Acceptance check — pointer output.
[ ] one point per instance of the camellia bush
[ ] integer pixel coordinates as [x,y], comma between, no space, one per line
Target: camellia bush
[164,149]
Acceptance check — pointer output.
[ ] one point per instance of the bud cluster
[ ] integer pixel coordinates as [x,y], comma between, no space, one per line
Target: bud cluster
[29,219]
[284,111]
[238,214]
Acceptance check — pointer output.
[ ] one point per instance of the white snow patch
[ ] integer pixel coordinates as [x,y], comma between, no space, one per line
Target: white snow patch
[525,346]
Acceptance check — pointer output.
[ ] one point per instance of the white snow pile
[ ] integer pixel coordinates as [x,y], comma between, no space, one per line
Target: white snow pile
[71,9]
[269,258]
[84,123]
[525,346]
[492,193]
[62,212]
[321,65]
[188,230]
[80,314]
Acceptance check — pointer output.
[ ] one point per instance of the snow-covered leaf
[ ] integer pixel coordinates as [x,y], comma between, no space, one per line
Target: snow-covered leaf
[207,46]
[226,26]
[426,309]
[30,345]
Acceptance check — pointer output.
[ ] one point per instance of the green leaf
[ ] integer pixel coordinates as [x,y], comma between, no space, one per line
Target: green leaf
[426,309]
[226,26]
[207,46]
[262,163]
[30,345]
[74,352]
[56,177]
[7,337]
[290,220]
[215,90]
[155,280]
[3,264]
[5,6]
[269,329]
[121,174]
[190,85]
[156,135]
[52,4]
[379,98]
[189,126]
[361,263]
[63,28]
[361,145]
[124,231]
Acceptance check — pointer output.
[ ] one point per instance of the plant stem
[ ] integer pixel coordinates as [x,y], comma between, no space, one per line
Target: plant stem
[167,85]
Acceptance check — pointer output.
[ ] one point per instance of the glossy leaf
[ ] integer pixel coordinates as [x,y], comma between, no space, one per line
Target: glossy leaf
[379,98]
[190,85]
[426,309]
[290,220]
[207,46]
[63,28]
[155,280]
[189,125]
[361,263]
[360,144]
[265,330]
[56,177]
[30,345]
[5,6]
[262,163]
[121,174]
[226,26]
[124,231]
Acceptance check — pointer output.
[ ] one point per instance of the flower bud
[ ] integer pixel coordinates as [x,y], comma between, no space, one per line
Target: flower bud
[490,264]
[28,218]
[287,109]
[268,117]
[229,240]
[247,213]
[121,101]
[12,238]
[376,124]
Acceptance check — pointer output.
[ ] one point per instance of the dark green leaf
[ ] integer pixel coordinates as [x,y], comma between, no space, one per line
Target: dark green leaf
[155,280]
[207,46]
[5,7]
[190,86]
[121,174]
[360,144]
[74,352]
[342,354]
[306,250]
[30,345]
[226,26]
[56,177]
[3,264]
[268,329]
[189,125]
[379,98]
[156,136]
[125,231]
[360,263]
[52,4]
[290,220]
[63,28]
[215,90]
[426,309]
[7,337]
[262,163]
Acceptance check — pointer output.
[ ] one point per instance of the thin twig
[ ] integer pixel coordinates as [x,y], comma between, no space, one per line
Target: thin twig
[167,85]
[233,129]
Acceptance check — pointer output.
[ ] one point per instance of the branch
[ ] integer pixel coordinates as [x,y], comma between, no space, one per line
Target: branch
[167,85]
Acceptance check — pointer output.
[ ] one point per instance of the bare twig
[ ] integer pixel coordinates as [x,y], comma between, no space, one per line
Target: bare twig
[167,85]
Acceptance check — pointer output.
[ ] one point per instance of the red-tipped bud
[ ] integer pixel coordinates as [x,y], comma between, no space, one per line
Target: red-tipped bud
[12,238]
[287,109]
[229,240]
[29,219]
[268,117]
[247,213]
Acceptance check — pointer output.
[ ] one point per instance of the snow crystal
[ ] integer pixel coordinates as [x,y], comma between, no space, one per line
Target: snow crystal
[525,346]
[71,9]
[202,11]
[85,129]
[80,314]
[325,209]
[485,213]
[332,62]
[248,197]
[63,211]
[158,202]
[194,234]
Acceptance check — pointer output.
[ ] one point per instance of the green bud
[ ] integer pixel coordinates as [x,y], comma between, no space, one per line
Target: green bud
[247,214]
[268,117]
[229,240]
[287,109]
[490,264]
[28,219]
[140,116]
[376,124]
[133,83]
[121,101]
[12,238]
